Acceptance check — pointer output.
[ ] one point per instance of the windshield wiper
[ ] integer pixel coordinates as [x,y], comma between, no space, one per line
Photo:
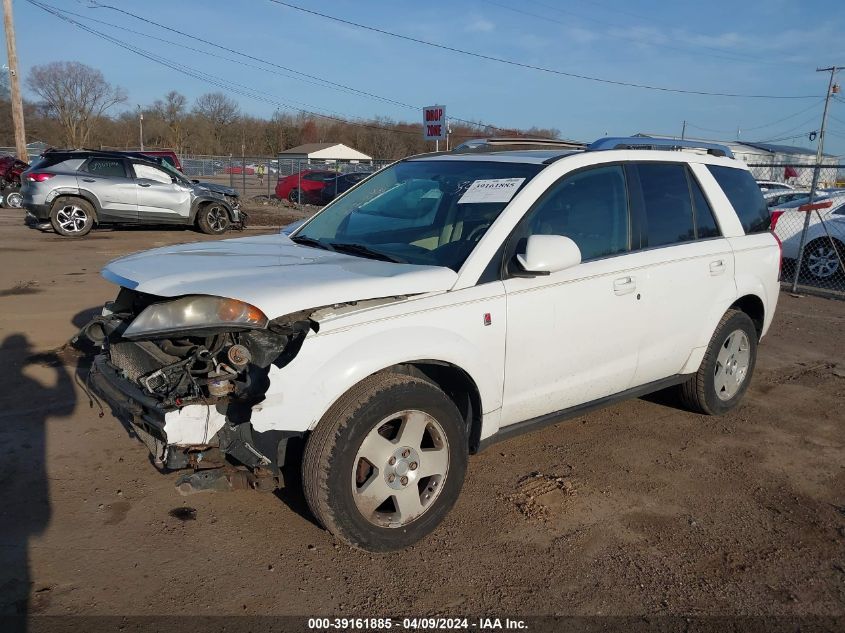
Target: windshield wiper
[310,241]
[365,251]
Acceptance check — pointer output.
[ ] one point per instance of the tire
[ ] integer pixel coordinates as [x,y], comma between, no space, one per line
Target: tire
[293,196]
[348,466]
[72,217]
[13,200]
[822,259]
[213,219]
[726,369]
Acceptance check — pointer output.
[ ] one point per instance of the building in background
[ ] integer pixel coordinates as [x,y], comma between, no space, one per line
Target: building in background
[324,153]
[782,163]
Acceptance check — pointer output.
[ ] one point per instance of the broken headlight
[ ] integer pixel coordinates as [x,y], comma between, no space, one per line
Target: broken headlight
[198,312]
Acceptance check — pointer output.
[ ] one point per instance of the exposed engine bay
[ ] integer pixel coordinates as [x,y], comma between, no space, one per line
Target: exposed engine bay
[188,393]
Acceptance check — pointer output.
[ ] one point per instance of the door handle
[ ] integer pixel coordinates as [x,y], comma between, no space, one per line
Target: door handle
[143,184]
[717,267]
[624,285]
[88,180]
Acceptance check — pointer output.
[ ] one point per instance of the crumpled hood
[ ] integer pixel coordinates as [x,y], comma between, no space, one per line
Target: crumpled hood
[272,273]
[216,188]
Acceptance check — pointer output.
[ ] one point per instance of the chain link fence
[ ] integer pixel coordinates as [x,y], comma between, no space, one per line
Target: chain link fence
[262,178]
[812,235]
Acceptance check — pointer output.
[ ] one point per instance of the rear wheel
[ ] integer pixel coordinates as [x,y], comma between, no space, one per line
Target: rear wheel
[386,463]
[213,219]
[72,217]
[726,370]
[822,258]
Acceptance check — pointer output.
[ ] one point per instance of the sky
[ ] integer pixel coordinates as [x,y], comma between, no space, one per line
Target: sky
[755,47]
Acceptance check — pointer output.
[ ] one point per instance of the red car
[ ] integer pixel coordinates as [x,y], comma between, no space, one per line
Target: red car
[237,169]
[309,181]
[10,180]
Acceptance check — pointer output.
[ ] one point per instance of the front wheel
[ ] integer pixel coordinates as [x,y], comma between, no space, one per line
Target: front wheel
[294,196]
[386,463]
[213,219]
[726,370]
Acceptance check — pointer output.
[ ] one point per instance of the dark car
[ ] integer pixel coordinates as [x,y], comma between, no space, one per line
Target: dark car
[338,185]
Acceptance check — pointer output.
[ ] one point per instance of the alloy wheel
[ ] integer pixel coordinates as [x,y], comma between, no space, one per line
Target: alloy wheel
[71,218]
[823,261]
[218,220]
[400,468]
[14,200]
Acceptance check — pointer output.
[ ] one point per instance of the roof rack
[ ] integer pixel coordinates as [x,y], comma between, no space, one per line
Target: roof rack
[493,144]
[666,144]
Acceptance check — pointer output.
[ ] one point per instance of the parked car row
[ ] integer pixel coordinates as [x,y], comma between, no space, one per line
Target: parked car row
[824,249]
[71,191]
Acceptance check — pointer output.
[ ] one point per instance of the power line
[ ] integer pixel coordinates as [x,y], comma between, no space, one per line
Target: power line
[800,125]
[211,79]
[756,127]
[544,69]
[328,82]
[719,53]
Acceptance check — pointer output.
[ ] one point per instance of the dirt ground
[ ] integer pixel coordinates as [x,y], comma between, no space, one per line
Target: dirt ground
[638,509]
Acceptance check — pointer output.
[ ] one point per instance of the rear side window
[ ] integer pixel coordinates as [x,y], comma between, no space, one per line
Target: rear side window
[705,223]
[667,204]
[106,167]
[745,197]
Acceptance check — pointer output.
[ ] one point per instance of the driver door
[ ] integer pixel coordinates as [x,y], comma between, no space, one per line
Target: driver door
[161,198]
[573,336]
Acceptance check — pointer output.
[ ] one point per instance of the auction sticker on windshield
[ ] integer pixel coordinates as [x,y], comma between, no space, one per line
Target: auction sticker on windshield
[494,190]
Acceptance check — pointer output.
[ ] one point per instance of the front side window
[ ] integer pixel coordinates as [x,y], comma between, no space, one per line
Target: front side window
[111,167]
[430,212]
[590,207]
[148,172]
[745,197]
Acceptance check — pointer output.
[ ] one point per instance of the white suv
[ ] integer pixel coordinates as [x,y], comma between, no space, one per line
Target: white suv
[444,303]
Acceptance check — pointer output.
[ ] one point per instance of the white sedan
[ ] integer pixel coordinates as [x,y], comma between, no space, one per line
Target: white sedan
[824,252]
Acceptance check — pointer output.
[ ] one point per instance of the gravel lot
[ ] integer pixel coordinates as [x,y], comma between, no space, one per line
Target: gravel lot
[637,509]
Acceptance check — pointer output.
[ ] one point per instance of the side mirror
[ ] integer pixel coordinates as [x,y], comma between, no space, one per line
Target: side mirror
[545,254]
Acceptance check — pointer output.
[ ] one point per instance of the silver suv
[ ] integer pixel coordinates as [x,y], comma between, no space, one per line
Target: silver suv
[73,190]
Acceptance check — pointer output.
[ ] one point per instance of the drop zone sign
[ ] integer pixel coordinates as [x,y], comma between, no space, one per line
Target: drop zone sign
[434,123]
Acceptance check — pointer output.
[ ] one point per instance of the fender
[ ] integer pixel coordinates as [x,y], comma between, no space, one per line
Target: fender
[78,193]
[202,199]
[300,393]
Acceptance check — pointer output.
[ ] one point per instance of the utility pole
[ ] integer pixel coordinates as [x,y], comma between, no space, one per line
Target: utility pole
[684,130]
[819,155]
[141,127]
[14,82]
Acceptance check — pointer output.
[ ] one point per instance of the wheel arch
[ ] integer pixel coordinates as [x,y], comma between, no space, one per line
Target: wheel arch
[77,193]
[457,384]
[753,306]
[201,201]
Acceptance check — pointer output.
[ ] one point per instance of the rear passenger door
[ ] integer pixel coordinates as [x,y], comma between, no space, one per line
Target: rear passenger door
[686,266]
[107,180]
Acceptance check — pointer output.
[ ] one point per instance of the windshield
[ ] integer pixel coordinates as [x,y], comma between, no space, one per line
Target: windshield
[419,212]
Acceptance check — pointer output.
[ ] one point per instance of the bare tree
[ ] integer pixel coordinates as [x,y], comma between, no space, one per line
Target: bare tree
[76,94]
[172,111]
[219,112]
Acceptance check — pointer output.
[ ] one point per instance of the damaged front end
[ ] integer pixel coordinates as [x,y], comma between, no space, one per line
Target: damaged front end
[185,372]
